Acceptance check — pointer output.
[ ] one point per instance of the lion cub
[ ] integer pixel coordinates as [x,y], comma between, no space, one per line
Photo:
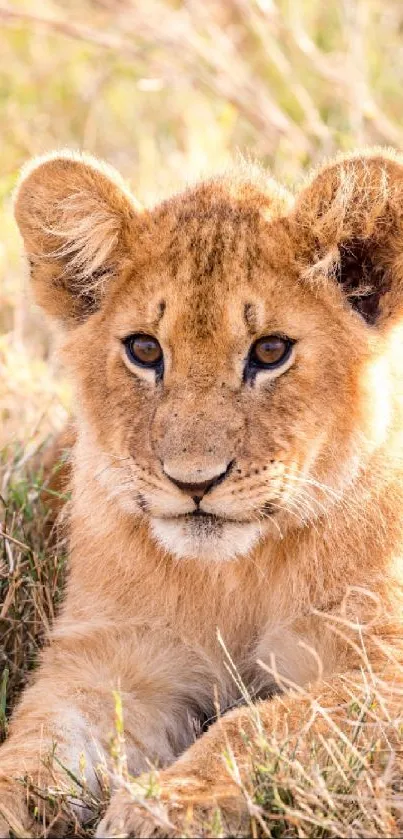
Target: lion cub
[236,354]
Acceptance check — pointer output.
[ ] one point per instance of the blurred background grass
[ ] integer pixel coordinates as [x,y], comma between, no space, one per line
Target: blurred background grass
[166,90]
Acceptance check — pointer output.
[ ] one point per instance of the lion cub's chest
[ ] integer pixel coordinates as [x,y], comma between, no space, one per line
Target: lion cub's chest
[228,626]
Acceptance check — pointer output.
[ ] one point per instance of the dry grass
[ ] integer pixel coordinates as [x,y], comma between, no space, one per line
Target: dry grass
[32,568]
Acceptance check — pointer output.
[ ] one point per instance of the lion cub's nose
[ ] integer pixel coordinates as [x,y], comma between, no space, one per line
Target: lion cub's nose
[191,485]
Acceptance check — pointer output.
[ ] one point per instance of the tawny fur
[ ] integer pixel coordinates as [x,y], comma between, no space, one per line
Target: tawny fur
[308,530]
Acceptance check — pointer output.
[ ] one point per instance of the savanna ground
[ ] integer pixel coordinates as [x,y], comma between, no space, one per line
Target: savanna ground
[166,91]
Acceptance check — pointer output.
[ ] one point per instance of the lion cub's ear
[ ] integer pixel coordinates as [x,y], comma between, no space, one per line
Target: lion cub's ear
[349,221]
[75,216]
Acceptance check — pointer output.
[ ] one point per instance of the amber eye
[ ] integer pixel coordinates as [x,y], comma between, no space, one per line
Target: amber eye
[269,352]
[144,350]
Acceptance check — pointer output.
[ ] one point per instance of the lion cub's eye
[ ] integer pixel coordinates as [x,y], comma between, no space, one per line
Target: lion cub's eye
[269,352]
[144,350]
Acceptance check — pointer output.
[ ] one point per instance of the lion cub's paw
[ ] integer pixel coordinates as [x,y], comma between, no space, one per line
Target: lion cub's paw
[128,817]
[181,809]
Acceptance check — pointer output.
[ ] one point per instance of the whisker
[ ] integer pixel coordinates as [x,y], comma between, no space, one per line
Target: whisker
[314,483]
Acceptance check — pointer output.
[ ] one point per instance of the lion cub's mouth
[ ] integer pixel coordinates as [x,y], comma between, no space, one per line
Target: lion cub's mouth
[202,522]
[199,516]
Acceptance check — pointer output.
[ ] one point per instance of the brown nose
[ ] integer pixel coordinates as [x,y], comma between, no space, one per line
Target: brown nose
[198,490]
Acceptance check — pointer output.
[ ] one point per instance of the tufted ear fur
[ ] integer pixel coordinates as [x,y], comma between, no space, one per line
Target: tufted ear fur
[351,219]
[75,216]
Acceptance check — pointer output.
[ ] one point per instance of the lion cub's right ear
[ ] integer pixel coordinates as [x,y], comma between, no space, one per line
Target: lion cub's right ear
[75,216]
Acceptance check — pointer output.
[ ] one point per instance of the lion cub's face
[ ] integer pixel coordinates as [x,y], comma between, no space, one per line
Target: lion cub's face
[227,390]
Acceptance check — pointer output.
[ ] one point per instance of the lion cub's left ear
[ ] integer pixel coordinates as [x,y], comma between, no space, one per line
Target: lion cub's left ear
[348,224]
[75,216]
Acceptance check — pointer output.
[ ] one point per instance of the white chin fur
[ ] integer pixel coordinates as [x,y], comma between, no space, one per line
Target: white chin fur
[191,539]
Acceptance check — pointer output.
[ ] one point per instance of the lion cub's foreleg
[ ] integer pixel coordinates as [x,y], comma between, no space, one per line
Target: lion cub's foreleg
[216,772]
[51,735]
[67,721]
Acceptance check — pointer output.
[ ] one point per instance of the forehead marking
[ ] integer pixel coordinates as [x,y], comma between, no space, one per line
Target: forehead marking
[161,309]
[250,317]
[219,245]
[159,313]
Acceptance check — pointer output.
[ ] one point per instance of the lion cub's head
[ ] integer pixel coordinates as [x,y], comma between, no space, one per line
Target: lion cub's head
[232,347]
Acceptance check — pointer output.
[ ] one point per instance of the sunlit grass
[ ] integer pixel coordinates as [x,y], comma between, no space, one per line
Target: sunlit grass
[32,566]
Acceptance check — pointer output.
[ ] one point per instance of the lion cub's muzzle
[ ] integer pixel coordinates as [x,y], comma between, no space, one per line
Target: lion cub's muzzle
[209,529]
